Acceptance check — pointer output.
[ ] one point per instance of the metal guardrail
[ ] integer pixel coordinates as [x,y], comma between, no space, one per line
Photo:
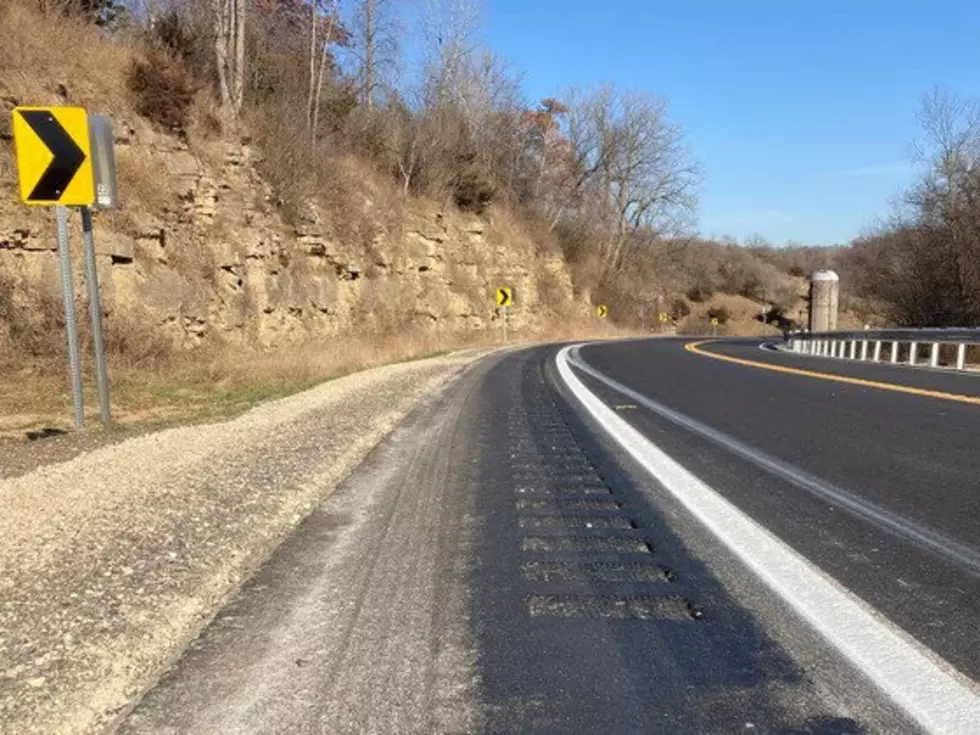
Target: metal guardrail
[903,345]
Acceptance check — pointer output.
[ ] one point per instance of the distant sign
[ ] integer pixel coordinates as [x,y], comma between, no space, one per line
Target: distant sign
[54,156]
[664,318]
[714,321]
[505,296]
[602,311]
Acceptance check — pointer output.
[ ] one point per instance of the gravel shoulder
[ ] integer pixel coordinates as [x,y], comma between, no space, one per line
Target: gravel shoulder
[110,562]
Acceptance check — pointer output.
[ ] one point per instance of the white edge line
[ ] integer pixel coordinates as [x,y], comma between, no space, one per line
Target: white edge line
[934,695]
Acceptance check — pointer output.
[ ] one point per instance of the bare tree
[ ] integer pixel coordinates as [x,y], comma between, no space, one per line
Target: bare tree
[948,197]
[320,46]
[581,154]
[628,171]
[647,170]
[229,46]
[923,267]
[374,29]
[449,31]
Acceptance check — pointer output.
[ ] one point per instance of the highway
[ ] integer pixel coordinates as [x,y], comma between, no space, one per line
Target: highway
[647,536]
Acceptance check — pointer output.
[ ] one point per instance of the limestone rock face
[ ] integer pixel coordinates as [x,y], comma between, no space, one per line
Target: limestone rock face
[203,253]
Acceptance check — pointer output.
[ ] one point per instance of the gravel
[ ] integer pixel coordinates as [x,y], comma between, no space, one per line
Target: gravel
[49,446]
[112,561]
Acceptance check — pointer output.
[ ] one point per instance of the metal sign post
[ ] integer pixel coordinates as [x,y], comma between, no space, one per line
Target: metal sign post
[505,299]
[65,159]
[601,312]
[74,358]
[95,308]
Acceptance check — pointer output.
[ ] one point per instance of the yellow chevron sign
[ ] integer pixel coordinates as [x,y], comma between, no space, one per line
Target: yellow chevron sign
[505,296]
[602,311]
[54,156]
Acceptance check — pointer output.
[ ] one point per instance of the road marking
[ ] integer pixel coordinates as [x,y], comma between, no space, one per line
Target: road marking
[695,347]
[950,550]
[933,694]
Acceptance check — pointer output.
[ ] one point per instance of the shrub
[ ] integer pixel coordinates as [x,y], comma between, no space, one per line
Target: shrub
[679,309]
[130,341]
[720,313]
[35,327]
[177,37]
[470,180]
[698,293]
[472,191]
[162,90]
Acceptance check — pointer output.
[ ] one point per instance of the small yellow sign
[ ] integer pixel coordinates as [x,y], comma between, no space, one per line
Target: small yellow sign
[714,321]
[602,311]
[505,296]
[54,156]
[663,317]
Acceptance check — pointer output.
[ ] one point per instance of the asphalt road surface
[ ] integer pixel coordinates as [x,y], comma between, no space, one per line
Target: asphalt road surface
[502,564]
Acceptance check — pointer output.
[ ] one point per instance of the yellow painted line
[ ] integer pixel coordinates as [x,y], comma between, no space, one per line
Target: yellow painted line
[695,347]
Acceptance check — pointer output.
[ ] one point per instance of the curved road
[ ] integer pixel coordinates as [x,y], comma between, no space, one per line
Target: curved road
[909,454]
[507,562]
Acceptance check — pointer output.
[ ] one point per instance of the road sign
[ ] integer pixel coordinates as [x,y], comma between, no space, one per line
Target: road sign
[103,162]
[602,311]
[505,296]
[54,156]
[663,317]
[714,321]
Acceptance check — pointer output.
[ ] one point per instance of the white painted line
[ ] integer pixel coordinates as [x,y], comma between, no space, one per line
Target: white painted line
[929,690]
[951,550]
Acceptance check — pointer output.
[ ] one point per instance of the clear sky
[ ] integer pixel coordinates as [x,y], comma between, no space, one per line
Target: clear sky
[801,112]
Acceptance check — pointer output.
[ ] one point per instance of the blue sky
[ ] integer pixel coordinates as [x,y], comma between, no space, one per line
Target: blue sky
[801,112]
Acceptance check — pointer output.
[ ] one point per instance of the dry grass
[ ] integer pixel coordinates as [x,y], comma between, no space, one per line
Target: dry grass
[743,318]
[152,384]
[58,51]
[162,89]
[141,184]
[506,228]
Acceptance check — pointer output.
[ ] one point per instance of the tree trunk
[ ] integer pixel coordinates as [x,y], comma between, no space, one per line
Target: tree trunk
[222,20]
[368,53]
[229,51]
[321,73]
[238,85]
[312,84]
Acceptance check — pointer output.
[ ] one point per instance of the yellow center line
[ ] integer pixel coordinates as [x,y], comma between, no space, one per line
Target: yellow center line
[695,347]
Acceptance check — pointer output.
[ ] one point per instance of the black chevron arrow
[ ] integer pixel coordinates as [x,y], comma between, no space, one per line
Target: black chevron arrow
[68,157]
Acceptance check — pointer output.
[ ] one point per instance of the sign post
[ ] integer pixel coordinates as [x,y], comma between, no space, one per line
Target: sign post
[95,309]
[74,358]
[505,300]
[714,326]
[55,147]
[601,312]
[104,167]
